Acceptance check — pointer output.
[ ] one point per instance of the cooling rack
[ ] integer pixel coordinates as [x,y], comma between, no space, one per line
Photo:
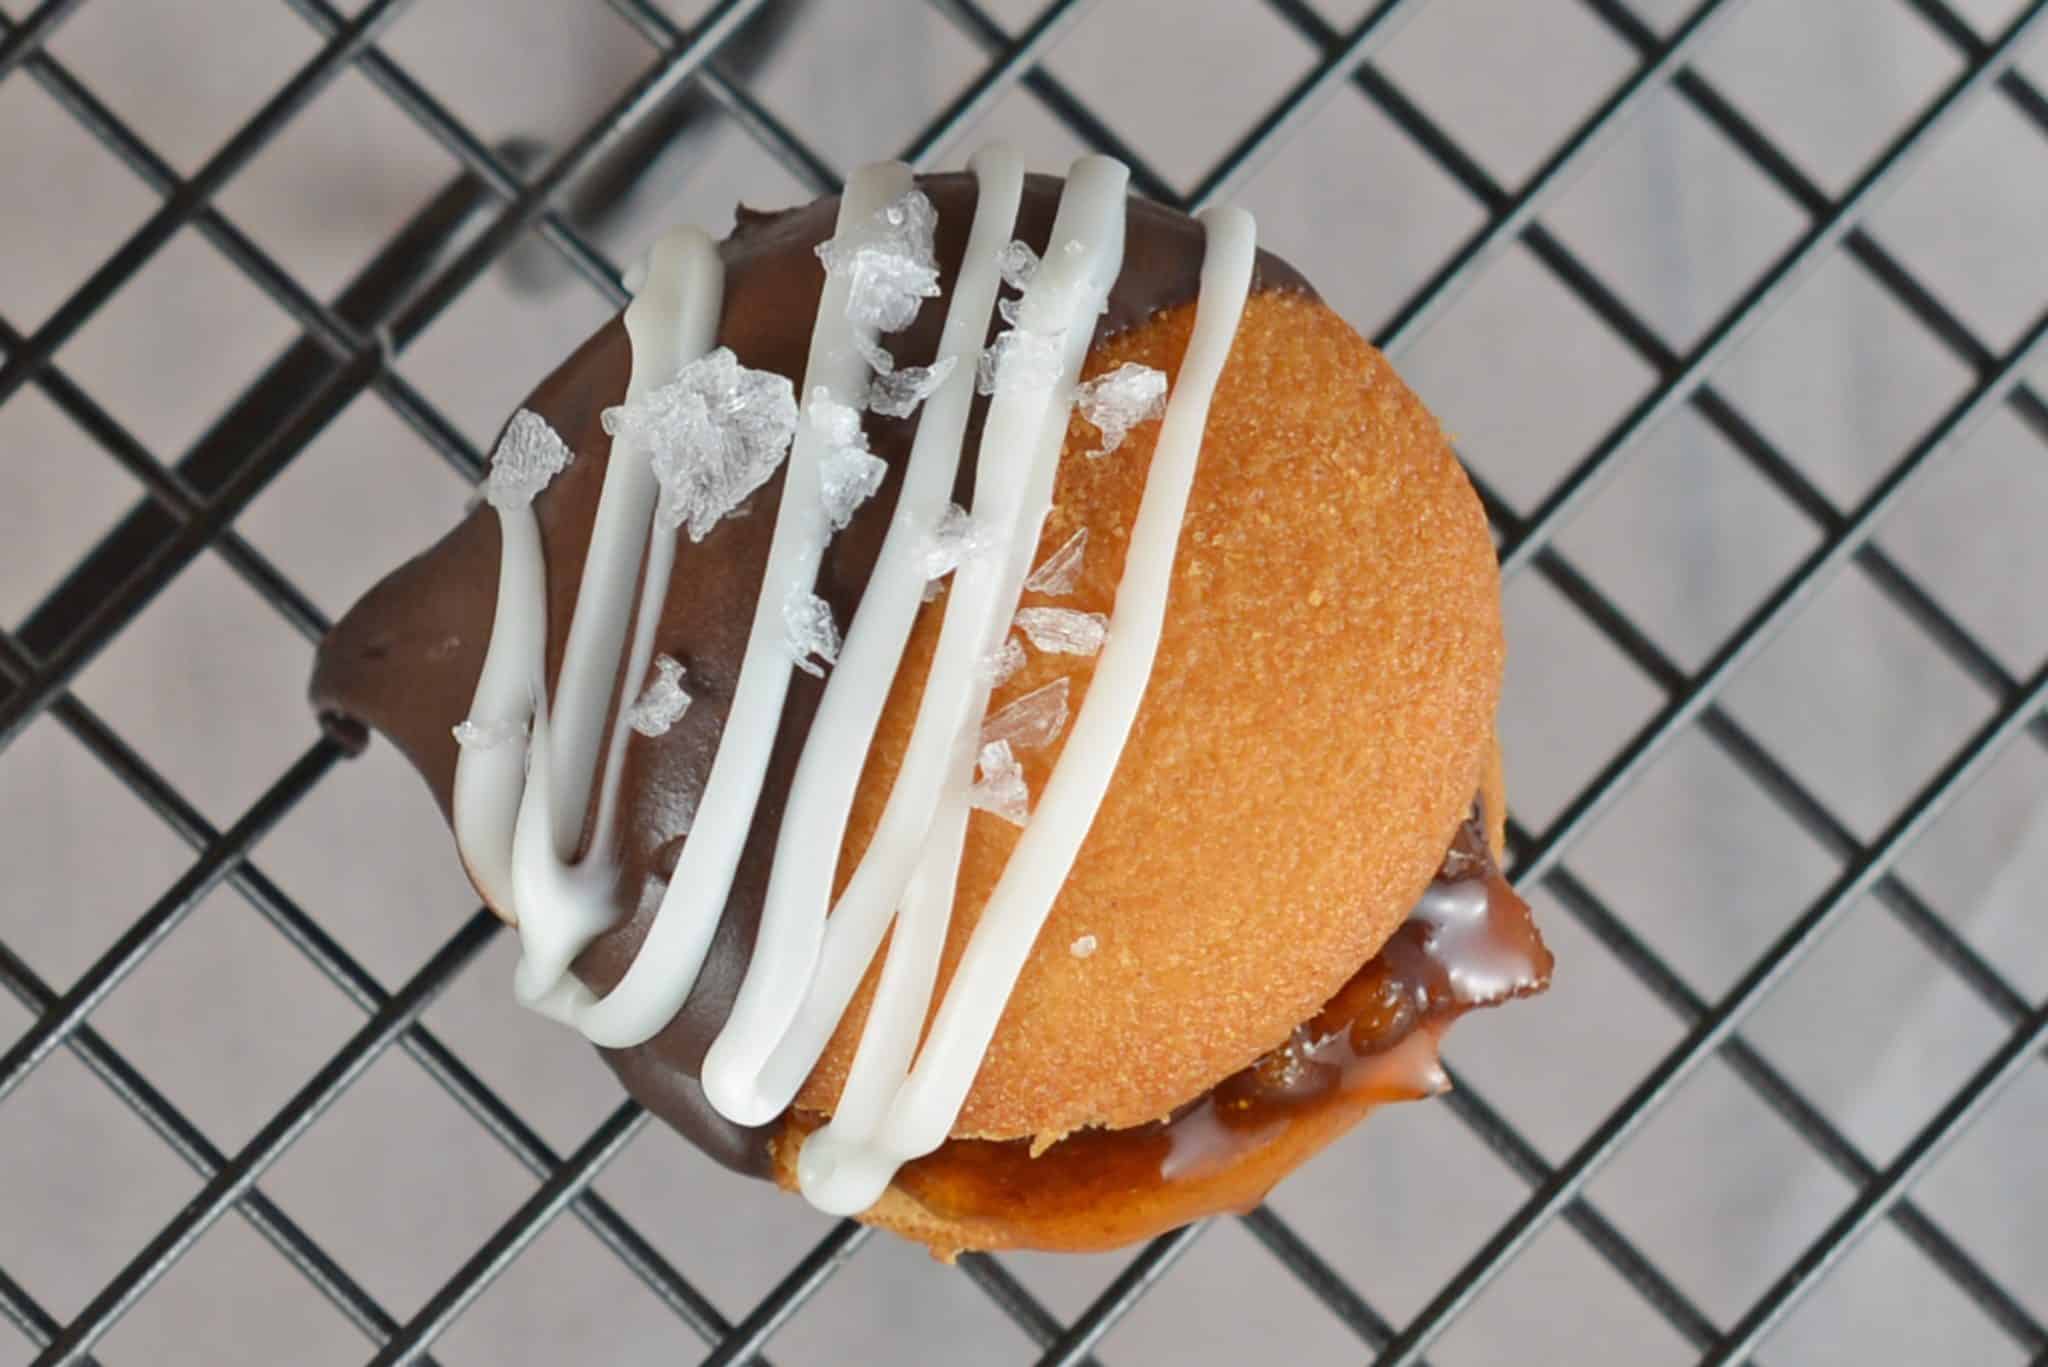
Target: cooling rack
[698,72]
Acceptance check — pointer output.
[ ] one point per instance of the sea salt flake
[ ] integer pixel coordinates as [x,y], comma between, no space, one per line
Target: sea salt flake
[529,455]
[1001,789]
[1010,310]
[714,434]
[1002,665]
[1062,569]
[1083,947]
[897,394]
[1064,631]
[488,735]
[1120,400]
[838,424]
[848,473]
[663,702]
[1033,721]
[1019,357]
[879,358]
[808,629]
[955,539]
[888,264]
[911,214]
[848,477]
[1017,263]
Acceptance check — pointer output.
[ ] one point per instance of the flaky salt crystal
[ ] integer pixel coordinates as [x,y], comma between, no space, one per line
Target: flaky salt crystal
[897,394]
[1018,357]
[879,358]
[1063,631]
[913,215]
[848,477]
[1033,721]
[889,267]
[912,222]
[1082,947]
[714,434]
[956,537]
[1010,311]
[838,424]
[529,455]
[1001,788]
[663,703]
[808,629]
[848,473]
[1017,264]
[1002,665]
[1120,400]
[488,735]
[1062,569]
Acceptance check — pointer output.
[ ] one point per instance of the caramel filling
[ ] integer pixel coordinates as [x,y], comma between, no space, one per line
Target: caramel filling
[1469,943]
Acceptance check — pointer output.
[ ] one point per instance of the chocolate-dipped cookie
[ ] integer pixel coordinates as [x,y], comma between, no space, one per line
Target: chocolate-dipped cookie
[997,680]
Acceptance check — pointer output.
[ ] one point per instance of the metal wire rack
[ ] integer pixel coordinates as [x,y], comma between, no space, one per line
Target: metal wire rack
[349,346]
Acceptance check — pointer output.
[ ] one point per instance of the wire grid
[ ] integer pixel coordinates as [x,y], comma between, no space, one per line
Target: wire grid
[349,347]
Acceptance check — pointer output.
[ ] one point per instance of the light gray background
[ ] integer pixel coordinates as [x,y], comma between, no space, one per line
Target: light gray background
[400,1185]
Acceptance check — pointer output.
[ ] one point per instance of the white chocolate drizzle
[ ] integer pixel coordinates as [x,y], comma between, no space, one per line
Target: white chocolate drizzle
[517,819]
[520,812]
[1020,446]
[842,1168]
[792,930]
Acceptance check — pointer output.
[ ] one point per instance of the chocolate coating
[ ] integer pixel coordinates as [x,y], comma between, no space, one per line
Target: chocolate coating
[404,660]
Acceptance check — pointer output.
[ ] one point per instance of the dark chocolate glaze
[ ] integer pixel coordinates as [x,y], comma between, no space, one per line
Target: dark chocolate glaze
[404,661]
